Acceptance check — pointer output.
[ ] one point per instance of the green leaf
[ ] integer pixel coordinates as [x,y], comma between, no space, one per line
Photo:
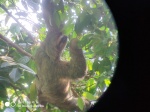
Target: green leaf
[5,81]
[61,6]
[34,49]
[3,92]
[74,35]
[6,64]
[24,59]
[82,22]
[96,65]
[92,5]
[14,28]
[15,74]
[80,103]
[105,65]
[57,19]
[89,64]
[32,65]
[26,68]
[107,82]
[24,109]
[42,32]
[68,28]
[91,85]
[97,45]
[33,91]
[85,40]
[102,28]
[88,96]
[11,6]
[107,30]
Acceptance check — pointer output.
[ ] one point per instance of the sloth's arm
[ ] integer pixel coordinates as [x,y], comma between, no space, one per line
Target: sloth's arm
[48,8]
[77,63]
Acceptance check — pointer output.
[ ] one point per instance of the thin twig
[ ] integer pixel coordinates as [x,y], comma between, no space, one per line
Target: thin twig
[6,10]
[18,48]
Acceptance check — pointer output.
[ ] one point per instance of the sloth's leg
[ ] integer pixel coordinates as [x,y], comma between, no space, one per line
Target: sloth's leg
[71,105]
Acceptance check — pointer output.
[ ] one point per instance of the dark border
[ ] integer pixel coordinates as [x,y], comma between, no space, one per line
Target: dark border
[124,93]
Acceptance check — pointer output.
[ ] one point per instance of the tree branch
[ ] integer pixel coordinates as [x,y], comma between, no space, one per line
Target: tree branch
[48,8]
[6,10]
[18,48]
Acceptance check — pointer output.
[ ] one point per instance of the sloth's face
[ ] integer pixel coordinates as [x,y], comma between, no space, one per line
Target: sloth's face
[61,42]
[56,45]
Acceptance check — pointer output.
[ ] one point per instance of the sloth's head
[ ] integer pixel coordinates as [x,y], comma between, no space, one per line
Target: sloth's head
[61,43]
[56,44]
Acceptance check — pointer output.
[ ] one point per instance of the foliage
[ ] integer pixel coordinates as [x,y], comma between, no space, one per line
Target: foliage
[90,21]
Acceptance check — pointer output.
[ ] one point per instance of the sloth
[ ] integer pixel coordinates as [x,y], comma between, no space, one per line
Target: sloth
[54,76]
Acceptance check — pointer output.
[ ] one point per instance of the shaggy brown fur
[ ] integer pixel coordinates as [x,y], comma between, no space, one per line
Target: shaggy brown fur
[55,75]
